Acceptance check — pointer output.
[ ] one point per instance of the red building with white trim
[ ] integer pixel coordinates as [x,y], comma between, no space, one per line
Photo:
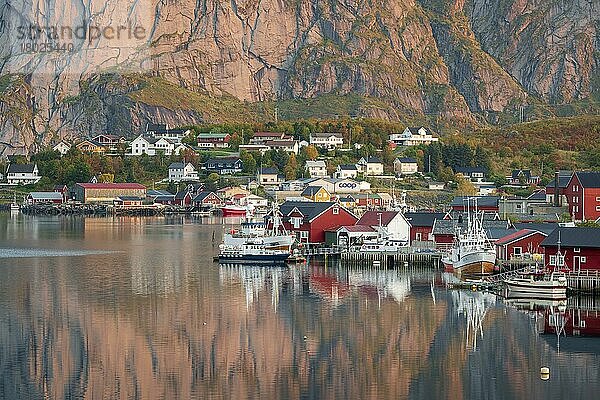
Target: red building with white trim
[310,220]
[524,241]
[421,224]
[579,248]
[583,196]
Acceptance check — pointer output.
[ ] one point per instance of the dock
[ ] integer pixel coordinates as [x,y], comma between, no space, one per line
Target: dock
[409,256]
[584,281]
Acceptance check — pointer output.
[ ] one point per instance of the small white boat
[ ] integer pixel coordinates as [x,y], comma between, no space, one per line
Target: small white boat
[383,246]
[553,286]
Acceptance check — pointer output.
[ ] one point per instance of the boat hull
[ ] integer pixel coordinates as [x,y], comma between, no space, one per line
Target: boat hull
[536,290]
[233,212]
[265,259]
[471,264]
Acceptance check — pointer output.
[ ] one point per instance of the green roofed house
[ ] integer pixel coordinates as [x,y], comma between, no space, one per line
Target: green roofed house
[213,140]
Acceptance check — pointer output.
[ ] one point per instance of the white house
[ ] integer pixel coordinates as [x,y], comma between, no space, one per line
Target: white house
[179,171]
[268,176]
[405,166]
[151,146]
[22,174]
[413,136]
[370,166]
[345,171]
[316,169]
[327,140]
[253,201]
[62,147]
[163,131]
[389,224]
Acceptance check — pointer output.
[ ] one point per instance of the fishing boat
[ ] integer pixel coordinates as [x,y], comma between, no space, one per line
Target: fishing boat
[258,241]
[550,286]
[471,252]
[534,284]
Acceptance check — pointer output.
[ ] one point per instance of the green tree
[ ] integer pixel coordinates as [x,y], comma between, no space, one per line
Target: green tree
[248,162]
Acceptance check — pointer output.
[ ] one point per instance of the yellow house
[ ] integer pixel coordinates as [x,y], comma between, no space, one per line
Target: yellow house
[91,146]
[316,193]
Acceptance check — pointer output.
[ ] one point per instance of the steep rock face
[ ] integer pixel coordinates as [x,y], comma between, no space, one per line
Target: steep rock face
[551,47]
[463,60]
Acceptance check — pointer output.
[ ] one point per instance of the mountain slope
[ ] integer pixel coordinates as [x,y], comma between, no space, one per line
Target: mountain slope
[464,61]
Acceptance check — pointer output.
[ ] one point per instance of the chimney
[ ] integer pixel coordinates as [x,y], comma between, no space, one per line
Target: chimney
[556,193]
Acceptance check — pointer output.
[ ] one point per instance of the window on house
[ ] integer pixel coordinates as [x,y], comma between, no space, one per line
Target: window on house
[303,235]
[560,261]
[598,199]
[553,261]
[336,210]
[577,250]
[597,208]
[296,221]
[582,260]
[517,251]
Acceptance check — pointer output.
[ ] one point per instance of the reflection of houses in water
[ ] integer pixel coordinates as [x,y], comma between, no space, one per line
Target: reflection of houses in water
[473,306]
[257,279]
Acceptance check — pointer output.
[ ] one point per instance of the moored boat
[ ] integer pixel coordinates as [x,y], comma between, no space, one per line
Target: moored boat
[472,252]
[552,286]
[233,210]
[257,242]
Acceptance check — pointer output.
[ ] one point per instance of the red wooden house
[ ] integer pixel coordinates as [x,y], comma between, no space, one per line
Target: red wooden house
[421,224]
[310,220]
[524,241]
[558,185]
[207,199]
[579,248]
[183,198]
[583,195]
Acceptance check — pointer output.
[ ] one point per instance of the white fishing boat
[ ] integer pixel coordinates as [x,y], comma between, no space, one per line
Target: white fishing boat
[540,285]
[258,241]
[552,286]
[472,252]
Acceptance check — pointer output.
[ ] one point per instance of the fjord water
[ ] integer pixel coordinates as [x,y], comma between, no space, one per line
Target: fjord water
[102,308]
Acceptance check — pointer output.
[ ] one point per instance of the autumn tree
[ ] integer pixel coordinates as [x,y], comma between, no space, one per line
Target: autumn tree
[291,168]
[310,152]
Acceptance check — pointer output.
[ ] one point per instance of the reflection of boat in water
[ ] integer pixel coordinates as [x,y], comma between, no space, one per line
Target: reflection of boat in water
[472,252]
[473,306]
[255,243]
[234,210]
[552,286]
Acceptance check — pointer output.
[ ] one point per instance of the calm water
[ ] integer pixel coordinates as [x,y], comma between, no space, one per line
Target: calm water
[135,308]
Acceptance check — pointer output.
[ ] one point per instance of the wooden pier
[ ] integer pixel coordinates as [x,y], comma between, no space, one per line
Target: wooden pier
[409,256]
[584,281]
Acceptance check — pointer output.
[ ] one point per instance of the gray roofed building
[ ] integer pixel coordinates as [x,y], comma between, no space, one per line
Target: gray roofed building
[308,209]
[423,219]
[574,237]
[589,179]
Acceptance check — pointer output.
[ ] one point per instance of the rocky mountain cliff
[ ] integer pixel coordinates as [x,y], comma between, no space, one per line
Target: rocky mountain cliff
[464,61]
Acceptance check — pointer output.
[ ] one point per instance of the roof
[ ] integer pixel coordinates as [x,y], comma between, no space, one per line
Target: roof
[526,173]
[268,134]
[414,129]
[563,179]
[407,160]
[538,195]
[357,228]
[151,193]
[164,197]
[311,190]
[225,161]
[268,171]
[423,218]
[518,235]
[371,218]
[574,237]
[326,134]
[212,135]
[449,226]
[152,127]
[589,179]
[46,195]
[318,163]
[372,160]
[546,228]
[176,165]
[111,186]
[347,167]
[482,201]
[309,209]
[201,196]
[20,168]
